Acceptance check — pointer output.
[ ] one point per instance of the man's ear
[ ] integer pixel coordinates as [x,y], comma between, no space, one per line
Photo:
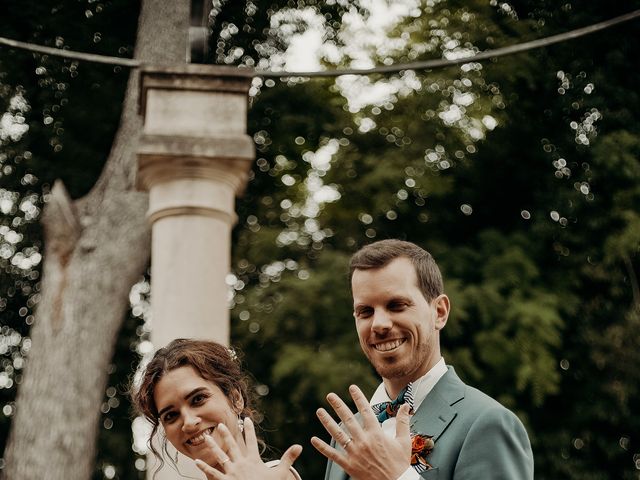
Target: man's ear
[236,401]
[442,306]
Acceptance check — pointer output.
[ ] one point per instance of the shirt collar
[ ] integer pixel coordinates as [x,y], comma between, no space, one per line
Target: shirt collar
[421,387]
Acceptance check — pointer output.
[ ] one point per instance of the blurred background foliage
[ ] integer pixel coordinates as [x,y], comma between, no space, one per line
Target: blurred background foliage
[520,175]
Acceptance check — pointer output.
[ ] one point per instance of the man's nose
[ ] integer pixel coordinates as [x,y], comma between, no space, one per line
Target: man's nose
[381,322]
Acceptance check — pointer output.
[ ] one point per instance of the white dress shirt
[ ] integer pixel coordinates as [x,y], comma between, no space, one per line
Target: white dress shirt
[421,388]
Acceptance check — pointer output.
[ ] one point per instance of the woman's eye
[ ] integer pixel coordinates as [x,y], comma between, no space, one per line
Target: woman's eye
[198,399]
[168,417]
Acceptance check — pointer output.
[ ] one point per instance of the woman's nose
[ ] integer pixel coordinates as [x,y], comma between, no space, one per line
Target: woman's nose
[191,422]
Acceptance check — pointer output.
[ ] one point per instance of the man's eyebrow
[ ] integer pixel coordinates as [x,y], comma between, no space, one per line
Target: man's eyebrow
[186,397]
[400,298]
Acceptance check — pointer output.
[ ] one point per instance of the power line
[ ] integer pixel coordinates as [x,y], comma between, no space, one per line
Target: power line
[420,65]
[88,57]
[440,63]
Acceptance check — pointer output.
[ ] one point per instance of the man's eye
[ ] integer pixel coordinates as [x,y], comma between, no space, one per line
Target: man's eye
[397,306]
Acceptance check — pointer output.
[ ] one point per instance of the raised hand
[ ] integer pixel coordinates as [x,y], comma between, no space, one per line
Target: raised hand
[367,453]
[243,462]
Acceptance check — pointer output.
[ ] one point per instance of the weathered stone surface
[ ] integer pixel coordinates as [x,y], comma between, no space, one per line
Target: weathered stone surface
[193,158]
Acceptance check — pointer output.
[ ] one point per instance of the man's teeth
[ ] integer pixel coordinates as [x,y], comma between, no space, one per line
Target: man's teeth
[385,347]
[198,439]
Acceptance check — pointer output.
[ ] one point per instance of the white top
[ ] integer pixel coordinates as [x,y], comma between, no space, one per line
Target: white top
[421,388]
[275,463]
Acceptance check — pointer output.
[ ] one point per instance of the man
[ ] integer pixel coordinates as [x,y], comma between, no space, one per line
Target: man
[444,429]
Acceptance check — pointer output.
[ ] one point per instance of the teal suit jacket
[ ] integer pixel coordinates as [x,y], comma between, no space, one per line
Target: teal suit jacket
[475,437]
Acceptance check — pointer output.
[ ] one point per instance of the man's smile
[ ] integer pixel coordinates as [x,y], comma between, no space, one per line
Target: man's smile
[389,345]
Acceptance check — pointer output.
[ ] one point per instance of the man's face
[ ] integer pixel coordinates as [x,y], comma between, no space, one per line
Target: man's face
[397,327]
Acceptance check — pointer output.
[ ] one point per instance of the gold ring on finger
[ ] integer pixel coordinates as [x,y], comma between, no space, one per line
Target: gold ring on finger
[344,446]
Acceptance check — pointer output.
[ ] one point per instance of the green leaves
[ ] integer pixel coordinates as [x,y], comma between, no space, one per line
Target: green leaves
[534,226]
[512,321]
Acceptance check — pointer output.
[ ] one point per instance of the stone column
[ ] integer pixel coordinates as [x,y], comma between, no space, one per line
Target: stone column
[193,158]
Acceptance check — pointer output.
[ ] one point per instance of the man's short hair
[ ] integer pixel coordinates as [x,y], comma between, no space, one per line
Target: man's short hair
[381,253]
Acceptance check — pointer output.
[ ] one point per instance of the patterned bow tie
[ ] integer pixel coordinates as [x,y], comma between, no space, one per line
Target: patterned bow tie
[386,410]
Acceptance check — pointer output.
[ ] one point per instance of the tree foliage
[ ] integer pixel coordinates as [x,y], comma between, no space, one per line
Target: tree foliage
[526,197]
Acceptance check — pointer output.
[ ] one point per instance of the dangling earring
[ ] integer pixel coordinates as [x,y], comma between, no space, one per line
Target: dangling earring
[175,458]
[240,423]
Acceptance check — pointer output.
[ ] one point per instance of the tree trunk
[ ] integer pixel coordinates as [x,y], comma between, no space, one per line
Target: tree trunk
[96,248]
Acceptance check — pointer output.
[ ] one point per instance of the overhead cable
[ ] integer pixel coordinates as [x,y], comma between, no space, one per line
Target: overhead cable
[441,63]
[395,68]
[87,57]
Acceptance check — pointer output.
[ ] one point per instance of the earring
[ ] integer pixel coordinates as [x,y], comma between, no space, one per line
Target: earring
[240,423]
[175,458]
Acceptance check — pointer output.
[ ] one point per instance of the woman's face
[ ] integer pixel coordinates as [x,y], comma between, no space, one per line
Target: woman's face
[190,407]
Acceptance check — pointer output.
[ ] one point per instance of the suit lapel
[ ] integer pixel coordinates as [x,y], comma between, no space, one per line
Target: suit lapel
[336,473]
[436,411]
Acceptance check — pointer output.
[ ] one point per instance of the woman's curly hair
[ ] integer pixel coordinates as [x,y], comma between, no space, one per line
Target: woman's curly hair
[214,362]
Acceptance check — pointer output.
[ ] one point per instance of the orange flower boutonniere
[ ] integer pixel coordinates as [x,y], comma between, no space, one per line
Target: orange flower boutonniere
[421,446]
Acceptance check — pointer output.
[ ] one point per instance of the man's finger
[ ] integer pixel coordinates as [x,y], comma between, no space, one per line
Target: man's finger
[338,434]
[331,453]
[369,419]
[402,423]
[346,415]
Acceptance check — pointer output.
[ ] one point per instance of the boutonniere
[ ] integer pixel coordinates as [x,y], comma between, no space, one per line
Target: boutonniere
[421,446]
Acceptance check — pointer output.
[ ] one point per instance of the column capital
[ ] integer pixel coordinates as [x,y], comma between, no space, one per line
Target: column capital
[194,125]
[225,158]
[193,77]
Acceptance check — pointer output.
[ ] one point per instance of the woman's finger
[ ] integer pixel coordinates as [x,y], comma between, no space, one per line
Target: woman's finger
[210,472]
[227,439]
[290,456]
[220,457]
[250,438]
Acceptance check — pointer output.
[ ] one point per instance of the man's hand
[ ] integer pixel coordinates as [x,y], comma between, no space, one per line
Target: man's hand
[368,453]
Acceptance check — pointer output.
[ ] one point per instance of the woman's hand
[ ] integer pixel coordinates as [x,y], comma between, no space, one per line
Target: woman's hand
[243,461]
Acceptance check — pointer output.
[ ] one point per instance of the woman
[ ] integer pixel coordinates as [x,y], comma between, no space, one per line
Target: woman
[198,393]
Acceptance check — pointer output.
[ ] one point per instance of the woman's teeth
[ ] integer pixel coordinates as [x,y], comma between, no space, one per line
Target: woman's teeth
[198,439]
